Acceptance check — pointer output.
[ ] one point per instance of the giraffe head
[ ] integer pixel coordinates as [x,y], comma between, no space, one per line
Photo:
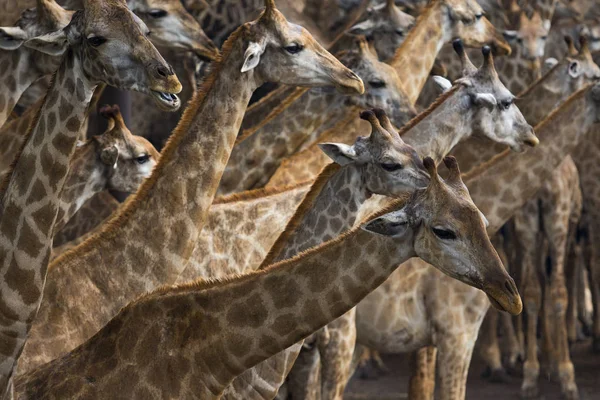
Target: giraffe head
[46,17]
[390,166]
[173,27]
[449,232]
[112,46]
[581,68]
[279,51]
[491,104]
[383,88]
[467,22]
[385,26]
[530,39]
[127,159]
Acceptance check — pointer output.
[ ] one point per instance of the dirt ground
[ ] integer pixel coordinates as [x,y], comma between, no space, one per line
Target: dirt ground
[394,385]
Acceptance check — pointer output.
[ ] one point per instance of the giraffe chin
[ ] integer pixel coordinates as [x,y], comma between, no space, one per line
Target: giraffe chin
[511,307]
[166,101]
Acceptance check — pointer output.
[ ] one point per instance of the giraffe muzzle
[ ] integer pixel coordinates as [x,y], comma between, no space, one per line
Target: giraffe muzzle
[166,101]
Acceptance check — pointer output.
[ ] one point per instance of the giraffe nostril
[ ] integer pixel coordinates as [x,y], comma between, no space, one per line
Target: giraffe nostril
[163,71]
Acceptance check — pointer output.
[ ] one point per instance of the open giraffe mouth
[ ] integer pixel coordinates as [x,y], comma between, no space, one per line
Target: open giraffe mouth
[166,101]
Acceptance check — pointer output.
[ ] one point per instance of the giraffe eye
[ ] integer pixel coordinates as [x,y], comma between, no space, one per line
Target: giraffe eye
[143,159]
[444,234]
[377,84]
[157,13]
[391,167]
[294,48]
[96,41]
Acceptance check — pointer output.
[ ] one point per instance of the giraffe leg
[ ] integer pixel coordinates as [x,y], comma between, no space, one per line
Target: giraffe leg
[515,348]
[303,380]
[526,231]
[556,225]
[594,277]
[489,349]
[453,365]
[336,356]
[572,272]
[422,381]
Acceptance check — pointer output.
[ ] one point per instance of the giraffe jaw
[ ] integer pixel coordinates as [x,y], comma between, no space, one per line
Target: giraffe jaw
[166,101]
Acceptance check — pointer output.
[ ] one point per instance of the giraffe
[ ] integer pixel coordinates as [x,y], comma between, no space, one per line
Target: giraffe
[114,160]
[442,21]
[254,158]
[380,164]
[33,187]
[573,118]
[318,286]
[20,66]
[478,105]
[386,27]
[268,49]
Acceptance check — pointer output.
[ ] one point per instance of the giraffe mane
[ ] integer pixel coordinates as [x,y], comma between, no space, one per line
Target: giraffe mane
[541,79]
[413,32]
[206,284]
[111,227]
[481,168]
[421,116]
[301,210]
[292,97]
[250,195]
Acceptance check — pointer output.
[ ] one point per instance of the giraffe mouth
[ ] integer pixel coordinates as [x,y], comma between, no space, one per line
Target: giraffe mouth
[166,101]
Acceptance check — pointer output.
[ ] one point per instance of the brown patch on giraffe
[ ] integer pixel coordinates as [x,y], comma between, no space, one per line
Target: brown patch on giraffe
[22,184]
[241,316]
[240,345]
[9,227]
[73,124]
[28,241]
[301,211]
[8,346]
[14,278]
[63,144]
[44,217]
[286,285]
[284,324]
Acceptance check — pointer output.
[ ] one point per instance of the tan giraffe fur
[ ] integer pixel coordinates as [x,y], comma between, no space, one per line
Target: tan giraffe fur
[255,158]
[33,188]
[327,211]
[456,115]
[20,66]
[180,190]
[290,287]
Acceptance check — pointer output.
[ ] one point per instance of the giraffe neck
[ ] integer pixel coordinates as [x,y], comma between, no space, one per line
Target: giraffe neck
[12,135]
[495,188]
[184,183]
[254,160]
[449,120]
[16,77]
[324,215]
[313,288]
[30,205]
[86,177]
[415,57]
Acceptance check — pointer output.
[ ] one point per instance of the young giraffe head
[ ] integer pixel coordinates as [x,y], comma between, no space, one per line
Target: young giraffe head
[127,159]
[383,88]
[467,22]
[390,166]
[279,51]
[385,26]
[173,27]
[529,39]
[449,232]
[111,43]
[494,113]
[581,68]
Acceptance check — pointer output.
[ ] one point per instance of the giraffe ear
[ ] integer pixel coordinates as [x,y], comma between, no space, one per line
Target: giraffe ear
[442,83]
[340,153]
[510,35]
[109,155]
[252,55]
[485,100]
[54,43]
[362,28]
[574,69]
[12,37]
[394,224]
